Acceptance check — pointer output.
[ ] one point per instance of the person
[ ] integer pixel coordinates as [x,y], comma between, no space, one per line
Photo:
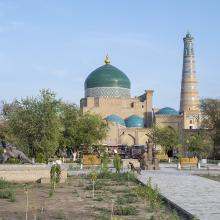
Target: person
[68,151]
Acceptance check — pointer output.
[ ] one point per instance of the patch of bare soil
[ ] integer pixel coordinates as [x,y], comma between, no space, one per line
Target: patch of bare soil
[73,201]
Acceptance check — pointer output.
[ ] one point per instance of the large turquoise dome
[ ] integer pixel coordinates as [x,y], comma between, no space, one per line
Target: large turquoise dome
[134,121]
[115,119]
[167,111]
[107,81]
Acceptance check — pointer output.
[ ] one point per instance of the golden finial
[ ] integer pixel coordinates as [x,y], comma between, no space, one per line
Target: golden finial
[107,60]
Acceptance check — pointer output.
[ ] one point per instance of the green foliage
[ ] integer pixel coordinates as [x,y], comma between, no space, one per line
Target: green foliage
[97,186]
[167,137]
[70,119]
[8,194]
[55,175]
[148,193]
[211,113]
[40,158]
[39,125]
[1,151]
[90,131]
[127,210]
[174,216]
[35,124]
[127,198]
[117,163]
[60,215]
[118,177]
[4,184]
[211,120]
[6,190]
[13,161]
[105,161]
[200,144]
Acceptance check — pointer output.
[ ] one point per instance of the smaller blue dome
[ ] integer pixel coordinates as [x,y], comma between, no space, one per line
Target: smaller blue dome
[115,119]
[134,121]
[167,111]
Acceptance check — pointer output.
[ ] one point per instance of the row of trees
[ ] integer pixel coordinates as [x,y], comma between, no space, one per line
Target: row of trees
[201,143]
[39,125]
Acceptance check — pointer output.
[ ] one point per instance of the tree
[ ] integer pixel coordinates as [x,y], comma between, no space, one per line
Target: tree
[211,120]
[39,125]
[211,113]
[70,118]
[91,129]
[199,144]
[35,124]
[167,137]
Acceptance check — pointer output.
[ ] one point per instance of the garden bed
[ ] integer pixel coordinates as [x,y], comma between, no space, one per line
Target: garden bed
[117,195]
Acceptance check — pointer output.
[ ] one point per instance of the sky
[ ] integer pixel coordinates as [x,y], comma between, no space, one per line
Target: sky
[55,44]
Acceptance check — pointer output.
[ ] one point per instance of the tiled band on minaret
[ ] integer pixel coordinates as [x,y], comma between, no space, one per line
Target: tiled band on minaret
[189,93]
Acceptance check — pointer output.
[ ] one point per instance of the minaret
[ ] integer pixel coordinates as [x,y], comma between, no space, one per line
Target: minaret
[189,101]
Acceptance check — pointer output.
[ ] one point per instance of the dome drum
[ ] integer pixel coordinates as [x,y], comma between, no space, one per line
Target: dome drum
[107,92]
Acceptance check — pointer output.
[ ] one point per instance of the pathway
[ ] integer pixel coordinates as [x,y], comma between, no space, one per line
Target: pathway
[197,195]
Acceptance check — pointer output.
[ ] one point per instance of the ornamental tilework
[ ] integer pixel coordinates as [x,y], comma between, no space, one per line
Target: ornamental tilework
[107,92]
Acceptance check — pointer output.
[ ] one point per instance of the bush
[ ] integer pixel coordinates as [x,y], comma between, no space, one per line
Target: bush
[4,184]
[119,177]
[127,199]
[7,194]
[55,175]
[40,158]
[1,151]
[117,163]
[129,210]
[97,186]
[148,193]
[13,161]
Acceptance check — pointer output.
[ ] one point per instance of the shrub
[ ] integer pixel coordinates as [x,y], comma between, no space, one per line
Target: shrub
[1,151]
[117,163]
[119,177]
[4,184]
[127,199]
[129,210]
[55,174]
[105,161]
[97,186]
[148,193]
[7,194]
[40,158]
[13,161]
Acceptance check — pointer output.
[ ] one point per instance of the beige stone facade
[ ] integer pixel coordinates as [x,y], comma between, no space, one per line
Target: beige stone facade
[123,107]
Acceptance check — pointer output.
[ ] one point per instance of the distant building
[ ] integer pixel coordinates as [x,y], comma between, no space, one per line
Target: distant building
[107,92]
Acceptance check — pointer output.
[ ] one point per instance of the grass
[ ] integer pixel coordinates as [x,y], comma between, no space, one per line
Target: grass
[8,194]
[127,199]
[98,185]
[6,191]
[60,215]
[4,184]
[118,177]
[211,177]
[125,210]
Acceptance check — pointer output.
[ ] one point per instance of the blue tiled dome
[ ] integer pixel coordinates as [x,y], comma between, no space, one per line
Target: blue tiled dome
[115,119]
[134,121]
[167,111]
